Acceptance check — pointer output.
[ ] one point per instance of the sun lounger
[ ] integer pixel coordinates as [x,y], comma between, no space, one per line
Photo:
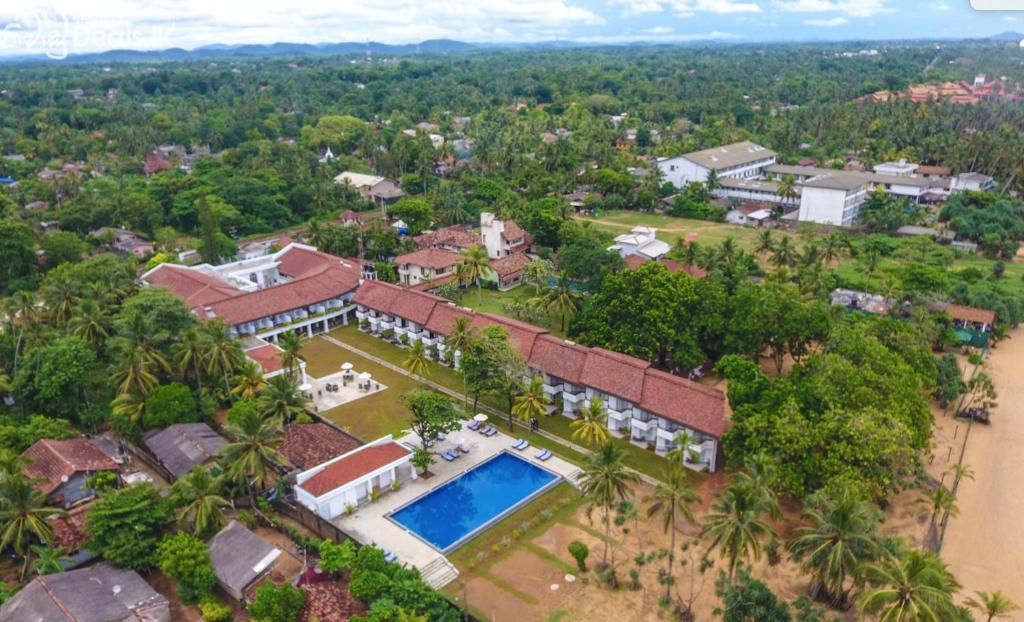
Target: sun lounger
[473,425]
[389,556]
[463,448]
[490,431]
[543,455]
[441,437]
[521,444]
[447,456]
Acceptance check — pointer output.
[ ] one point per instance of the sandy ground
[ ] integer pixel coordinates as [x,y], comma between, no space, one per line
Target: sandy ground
[985,544]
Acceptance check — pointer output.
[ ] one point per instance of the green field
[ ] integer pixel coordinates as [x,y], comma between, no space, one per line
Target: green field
[492,301]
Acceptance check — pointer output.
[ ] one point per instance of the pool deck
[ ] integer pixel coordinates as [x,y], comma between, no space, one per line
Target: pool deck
[370,523]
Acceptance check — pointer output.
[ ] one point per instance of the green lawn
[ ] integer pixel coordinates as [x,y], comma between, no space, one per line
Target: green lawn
[492,301]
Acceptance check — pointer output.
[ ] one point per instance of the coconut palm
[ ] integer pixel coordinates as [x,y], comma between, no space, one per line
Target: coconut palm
[459,336]
[128,407]
[682,450]
[961,471]
[784,254]
[940,500]
[606,480]
[416,361]
[672,495]
[841,537]
[281,401]
[786,188]
[559,297]
[765,242]
[197,494]
[90,322]
[49,559]
[473,267]
[532,401]
[249,380]
[537,272]
[22,314]
[255,444]
[223,354]
[591,427]
[188,355]
[761,475]
[23,516]
[735,524]
[291,354]
[914,587]
[134,373]
[60,297]
[992,606]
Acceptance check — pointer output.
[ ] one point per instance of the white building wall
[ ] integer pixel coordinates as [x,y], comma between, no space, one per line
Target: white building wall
[491,229]
[681,171]
[824,206]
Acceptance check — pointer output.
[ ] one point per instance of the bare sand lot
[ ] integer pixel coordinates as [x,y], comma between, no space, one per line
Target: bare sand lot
[985,544]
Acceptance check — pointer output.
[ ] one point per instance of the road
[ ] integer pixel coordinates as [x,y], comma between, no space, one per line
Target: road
[985,544]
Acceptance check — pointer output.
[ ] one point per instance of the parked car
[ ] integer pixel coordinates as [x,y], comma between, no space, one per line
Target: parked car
[977,414]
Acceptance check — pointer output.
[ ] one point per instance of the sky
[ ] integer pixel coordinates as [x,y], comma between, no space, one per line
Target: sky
[60,27]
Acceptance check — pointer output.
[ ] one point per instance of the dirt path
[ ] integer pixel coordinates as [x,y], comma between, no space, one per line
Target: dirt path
[626,225]
[985,543]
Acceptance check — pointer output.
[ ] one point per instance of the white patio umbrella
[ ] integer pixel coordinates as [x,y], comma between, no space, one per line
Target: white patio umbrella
[305,387]
[481,417]
[346,367]
[364,376]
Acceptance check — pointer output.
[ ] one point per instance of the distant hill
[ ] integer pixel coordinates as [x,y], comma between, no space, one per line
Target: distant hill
[1009,35]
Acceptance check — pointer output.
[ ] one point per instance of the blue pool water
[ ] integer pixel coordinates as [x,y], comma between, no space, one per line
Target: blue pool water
[445,516]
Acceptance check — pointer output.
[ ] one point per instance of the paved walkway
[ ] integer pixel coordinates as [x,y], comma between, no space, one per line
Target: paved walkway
[463,398]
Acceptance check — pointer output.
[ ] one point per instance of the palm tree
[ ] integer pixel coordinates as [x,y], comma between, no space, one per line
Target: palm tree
[765,242]
[188,355]
[537,272]
[761,475]
[459,336]
[784,253]
[473,267]
[786,188]
[842,536]
[673,494]
[941,500]
[129,406]
[134,374]
[23,516]
[281,401]
[255,444]
[994,605]
[910,588]
[735,525]
[417,360]
[49,559]
[591,426]
[559,297]
[682,450]
[315,233]
[291,354]
[60,296]
[22,314]
[605,480]
[531,402]
[223,355]
[249,380]
[197,494]
[871,261]
[90,322]
[961,471]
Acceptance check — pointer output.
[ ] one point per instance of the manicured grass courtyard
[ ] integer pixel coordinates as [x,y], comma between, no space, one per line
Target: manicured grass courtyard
[493,301]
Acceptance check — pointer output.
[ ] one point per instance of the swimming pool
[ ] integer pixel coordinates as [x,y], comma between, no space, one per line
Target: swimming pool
[449,516]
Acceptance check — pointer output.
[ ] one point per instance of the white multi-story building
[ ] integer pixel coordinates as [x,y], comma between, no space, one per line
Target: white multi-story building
[648,406]
[832,198]
[971,182]
[761,190]
[430,264]
[502,237]
[900,168]
[742,160]
[642,241]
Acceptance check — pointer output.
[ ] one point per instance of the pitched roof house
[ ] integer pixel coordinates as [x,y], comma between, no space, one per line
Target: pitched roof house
[62,466]
[181,446]
[99,593]
[309,444]
[428,264]
[242,561]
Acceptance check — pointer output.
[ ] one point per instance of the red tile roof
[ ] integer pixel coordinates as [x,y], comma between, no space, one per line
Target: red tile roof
[614,373]
[684,401]
[354,466]
[309,444]
[433,258]
[510,265]
[970,314]
[559,358]
[267,356]
[426,286]
[51,461]
[617,374]
[196,288]
[512,231]
[455,236]
[69,531]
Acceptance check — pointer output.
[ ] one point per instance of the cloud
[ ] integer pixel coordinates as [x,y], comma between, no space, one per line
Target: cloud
[853,8]
[658,30]
[154,24]
[939,6]
[661,38]
[826,23]
[688,8]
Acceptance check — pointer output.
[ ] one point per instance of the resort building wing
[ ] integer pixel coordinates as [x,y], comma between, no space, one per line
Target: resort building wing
[296,288]
[648,406]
